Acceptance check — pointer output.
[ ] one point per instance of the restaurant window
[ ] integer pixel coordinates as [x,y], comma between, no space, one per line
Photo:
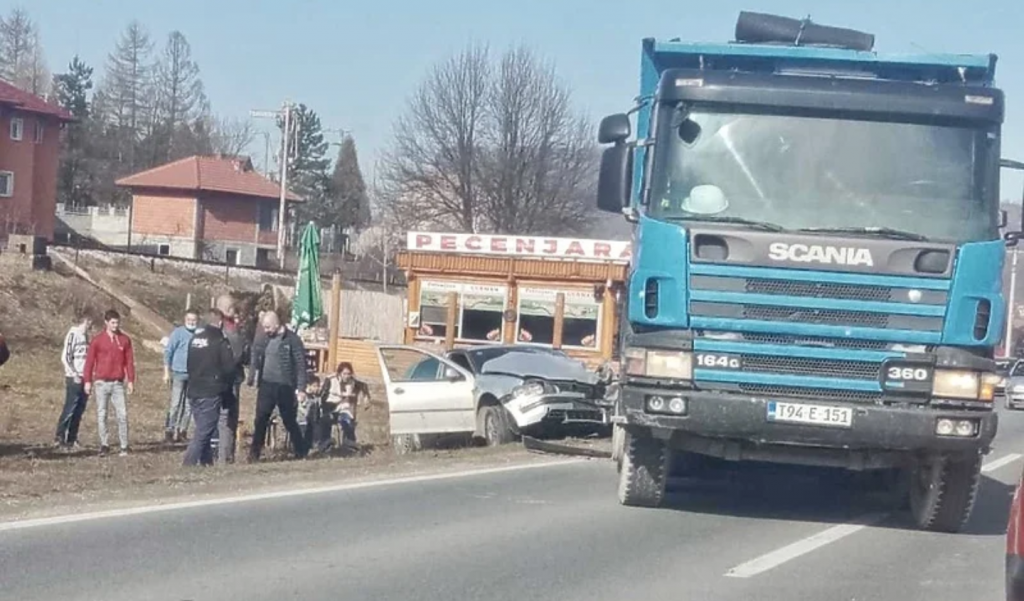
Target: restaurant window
[580,317]
[478,316]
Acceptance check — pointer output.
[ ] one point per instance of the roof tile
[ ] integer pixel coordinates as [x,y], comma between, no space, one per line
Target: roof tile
[30,103]
[232,175]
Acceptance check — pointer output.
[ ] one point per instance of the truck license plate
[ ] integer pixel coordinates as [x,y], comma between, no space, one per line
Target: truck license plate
[817,415]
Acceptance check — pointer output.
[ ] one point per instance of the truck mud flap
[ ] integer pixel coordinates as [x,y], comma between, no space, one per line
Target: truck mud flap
[542,446]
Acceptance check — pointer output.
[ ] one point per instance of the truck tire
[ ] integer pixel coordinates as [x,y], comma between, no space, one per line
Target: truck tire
[618,445]
[943,491]
[644,471]
[497,429]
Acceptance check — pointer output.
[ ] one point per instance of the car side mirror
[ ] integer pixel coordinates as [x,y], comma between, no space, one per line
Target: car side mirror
[452,375]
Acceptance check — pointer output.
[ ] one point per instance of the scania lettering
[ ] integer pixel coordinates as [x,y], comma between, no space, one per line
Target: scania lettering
[802,253]
[816,268]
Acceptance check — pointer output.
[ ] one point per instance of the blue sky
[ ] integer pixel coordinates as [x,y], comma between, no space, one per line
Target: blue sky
[355,61]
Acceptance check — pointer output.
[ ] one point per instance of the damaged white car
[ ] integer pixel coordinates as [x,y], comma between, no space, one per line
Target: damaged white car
[493,392]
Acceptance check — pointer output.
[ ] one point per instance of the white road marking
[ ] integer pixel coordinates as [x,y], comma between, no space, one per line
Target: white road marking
[804,546]
[146,509]
[992,466]
[801,547]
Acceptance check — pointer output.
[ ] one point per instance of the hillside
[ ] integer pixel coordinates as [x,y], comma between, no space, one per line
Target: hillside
[36,308]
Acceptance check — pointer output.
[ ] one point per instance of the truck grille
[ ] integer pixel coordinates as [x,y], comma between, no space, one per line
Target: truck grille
[718,299]
[818,289]
[830,317]
[823,368]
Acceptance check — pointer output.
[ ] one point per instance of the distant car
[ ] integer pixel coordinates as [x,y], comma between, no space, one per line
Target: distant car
[1015,548]
[1003,369]
[1013,390]
[495,392]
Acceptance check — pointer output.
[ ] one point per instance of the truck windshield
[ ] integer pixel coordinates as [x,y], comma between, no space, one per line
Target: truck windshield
[801,172]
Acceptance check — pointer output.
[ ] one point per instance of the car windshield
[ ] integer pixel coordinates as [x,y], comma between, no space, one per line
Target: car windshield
[1018,369]
[804,172]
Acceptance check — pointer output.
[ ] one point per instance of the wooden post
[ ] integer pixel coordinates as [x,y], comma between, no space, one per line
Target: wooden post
[188,301]
[609,322]
[453,315]
[335,321]
[556,341]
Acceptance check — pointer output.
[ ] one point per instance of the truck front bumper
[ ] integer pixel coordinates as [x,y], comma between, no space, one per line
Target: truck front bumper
[735,426]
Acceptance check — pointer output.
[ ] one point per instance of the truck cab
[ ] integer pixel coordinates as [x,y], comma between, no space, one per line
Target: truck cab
[817,264]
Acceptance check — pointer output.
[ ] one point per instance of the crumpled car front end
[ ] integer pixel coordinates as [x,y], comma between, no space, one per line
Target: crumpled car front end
[538,402]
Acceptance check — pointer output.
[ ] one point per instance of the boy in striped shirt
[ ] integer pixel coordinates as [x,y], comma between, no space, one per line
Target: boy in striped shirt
[76,343]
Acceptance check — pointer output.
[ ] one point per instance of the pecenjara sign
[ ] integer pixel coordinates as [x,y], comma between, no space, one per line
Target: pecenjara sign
[545,247]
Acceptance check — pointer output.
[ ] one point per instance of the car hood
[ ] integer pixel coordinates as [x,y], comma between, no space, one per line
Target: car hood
[538,365]
[1014,381]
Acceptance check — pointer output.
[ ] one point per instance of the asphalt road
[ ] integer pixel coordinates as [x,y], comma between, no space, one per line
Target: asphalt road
[555,532]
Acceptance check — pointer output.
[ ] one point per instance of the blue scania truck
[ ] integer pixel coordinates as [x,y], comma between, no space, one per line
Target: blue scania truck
[817,260]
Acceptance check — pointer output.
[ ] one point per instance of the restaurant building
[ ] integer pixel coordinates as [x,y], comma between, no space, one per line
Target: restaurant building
[468,289]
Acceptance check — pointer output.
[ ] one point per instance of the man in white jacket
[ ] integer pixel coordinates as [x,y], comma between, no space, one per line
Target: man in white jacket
[76,343]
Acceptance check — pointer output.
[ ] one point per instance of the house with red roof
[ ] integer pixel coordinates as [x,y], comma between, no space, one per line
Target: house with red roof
[206,207]
[30,131]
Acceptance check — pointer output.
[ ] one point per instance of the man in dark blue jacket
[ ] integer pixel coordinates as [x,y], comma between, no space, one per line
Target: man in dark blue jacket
[211,373]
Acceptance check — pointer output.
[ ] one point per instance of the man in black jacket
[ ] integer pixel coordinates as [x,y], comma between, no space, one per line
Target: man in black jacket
[279,368]
[211,372]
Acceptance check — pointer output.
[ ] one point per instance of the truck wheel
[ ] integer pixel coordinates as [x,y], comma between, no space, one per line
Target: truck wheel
[618,445]
[942,492]
[644,471]
[497,430]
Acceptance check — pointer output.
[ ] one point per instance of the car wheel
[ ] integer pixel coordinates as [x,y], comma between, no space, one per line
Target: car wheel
[406,443]
[497,429]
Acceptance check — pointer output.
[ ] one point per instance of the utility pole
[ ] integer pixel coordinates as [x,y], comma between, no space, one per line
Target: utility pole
[286,113]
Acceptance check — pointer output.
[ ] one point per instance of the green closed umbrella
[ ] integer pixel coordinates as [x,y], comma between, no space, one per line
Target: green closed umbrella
[308,306]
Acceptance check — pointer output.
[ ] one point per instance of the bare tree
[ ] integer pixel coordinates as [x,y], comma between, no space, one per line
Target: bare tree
[21,53]
[491,147]
[231,136]
[431,169]
[179,100]
[540,160]
[127,92]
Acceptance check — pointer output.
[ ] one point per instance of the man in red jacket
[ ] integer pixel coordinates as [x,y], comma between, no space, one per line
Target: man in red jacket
[110,371]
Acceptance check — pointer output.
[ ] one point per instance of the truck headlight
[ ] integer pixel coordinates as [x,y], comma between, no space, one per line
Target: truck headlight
[962,384]
[659,363]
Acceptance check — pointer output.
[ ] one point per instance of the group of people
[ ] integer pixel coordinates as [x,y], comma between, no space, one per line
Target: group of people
[204,367]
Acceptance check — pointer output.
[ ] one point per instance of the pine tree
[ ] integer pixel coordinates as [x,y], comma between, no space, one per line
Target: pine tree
[75,180]
[350,204]
[307,167]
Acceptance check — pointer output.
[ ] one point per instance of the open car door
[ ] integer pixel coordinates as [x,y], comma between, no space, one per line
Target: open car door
[427,394]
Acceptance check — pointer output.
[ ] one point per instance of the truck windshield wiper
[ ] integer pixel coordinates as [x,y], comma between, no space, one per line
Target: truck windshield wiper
[886,232]
[761,225]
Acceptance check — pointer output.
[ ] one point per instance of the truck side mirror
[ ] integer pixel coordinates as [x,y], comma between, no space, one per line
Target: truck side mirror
[614,129]
[1012,238]
[616,164]
[613,184]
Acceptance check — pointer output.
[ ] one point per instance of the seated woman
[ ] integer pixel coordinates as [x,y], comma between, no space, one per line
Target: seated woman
[340,397]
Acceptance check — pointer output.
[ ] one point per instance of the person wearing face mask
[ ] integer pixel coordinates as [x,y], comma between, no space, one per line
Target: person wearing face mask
[179,414]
